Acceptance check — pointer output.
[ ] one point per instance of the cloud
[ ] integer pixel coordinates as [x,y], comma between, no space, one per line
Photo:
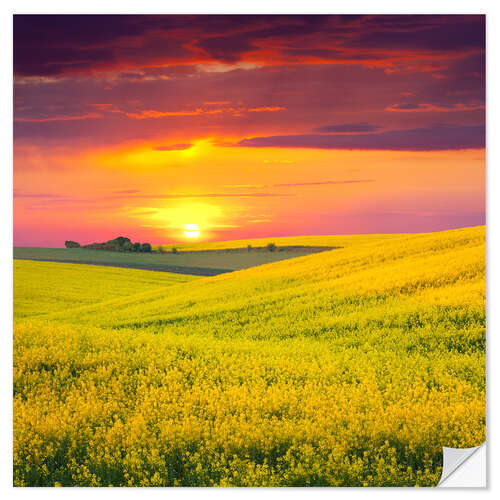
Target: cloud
[433,138]
[205,195]
[418,108]
[322,183]
[85,44]
[217,67]
[296,184]
[17,194]
[216,103]
[322,55]
[49,200]
[425,32]
[404,107]
[320,97]
[58,118]
[266,108]
[347,127]
[127,191]
[173,147]
[153,113]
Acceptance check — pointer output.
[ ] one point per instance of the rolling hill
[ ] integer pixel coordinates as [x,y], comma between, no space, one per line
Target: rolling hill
[349,367]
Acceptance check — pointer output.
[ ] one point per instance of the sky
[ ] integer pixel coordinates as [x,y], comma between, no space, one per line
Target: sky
[246,126]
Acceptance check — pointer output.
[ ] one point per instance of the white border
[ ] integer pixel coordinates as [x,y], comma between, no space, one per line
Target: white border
[253,7]
[491,8]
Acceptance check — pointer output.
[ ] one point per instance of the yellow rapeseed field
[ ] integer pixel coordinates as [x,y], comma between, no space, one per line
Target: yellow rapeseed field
[346,368]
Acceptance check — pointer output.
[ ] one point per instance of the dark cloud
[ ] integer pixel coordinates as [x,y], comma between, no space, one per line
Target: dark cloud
[434,33]
[347,127]
[50,45]
[46,45]
[407,106]
[433,138]
[344,98]
[229,47]
[226,48]
[325,55]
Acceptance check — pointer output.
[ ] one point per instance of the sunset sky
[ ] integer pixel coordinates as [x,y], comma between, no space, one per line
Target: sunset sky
[246,126]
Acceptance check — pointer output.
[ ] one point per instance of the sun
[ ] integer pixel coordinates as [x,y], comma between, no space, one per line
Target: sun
[191,230]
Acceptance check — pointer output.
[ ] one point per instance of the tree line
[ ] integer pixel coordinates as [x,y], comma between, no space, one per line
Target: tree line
[120,244]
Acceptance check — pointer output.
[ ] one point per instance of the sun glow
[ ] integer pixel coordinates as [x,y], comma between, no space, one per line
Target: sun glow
[191,231]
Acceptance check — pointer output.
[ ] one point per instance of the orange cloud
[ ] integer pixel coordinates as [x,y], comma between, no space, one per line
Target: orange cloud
[153,113]
[266,108]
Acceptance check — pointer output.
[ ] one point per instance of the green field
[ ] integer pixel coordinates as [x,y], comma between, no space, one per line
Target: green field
[349,367]
[344,241]
[42,287]
[194,263]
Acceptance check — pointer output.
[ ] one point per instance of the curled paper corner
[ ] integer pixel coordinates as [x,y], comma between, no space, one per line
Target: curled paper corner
[464,467]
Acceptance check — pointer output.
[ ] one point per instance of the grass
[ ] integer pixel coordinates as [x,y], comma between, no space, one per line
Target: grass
[199,263]
[43,287]
[345,368]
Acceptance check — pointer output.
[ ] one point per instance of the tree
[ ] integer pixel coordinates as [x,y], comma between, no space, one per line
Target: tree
[112,245]
[120,244]
[71,244]
[174,250]
[161,249]
[121,240]
[249,248]
[271,247]
[95,246]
